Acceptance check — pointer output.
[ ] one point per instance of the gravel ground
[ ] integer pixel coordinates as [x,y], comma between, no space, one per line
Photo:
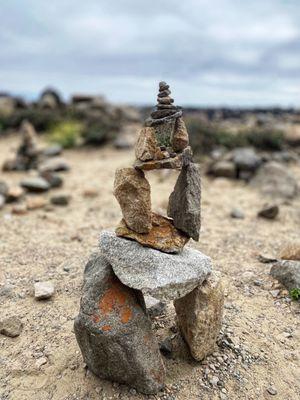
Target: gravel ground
[258,353]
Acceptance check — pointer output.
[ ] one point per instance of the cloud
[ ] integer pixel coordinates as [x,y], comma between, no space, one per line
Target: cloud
[218,52]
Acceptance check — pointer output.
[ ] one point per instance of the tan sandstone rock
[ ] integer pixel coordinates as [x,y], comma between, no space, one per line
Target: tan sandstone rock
[180,138]
[132,190]
[163,236]
[146,147]
[199,316]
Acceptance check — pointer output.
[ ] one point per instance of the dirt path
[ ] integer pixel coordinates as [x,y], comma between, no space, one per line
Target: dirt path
[260,337]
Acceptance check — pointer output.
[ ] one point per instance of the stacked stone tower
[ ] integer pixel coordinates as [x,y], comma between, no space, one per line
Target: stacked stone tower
[146,255]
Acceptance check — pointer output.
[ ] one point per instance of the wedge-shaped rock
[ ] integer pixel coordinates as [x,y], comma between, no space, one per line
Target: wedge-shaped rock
[132,191]
[114,332]
[161,275]
[175,162]
[184,201]
[163,235]
[180,138]
[199,316]
[146,147]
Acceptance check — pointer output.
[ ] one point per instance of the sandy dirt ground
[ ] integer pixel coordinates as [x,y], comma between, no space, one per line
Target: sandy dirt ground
[260,339]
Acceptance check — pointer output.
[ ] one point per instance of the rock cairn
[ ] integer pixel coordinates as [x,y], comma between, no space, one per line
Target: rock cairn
[146,255]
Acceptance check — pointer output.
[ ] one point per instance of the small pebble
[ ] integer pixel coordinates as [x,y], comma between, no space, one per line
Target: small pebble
[43,290]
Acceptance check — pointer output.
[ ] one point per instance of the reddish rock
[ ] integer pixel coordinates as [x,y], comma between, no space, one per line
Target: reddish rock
[180,139]
[163,235]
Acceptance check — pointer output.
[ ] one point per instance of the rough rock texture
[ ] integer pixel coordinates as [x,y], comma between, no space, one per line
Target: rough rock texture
[11,326]
[166,163]
[287,273]
[180,139]
[199,316]
[114,332]
[146,147]
[273,179]
[43,290]
[15,193]
[132,191]
[184,201]
[35,184]
[291,251]
[161,275]
[162,236]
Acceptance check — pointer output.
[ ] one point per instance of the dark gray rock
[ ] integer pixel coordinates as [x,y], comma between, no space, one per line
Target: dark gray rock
[163,113]
[184,202]
[53,179]
[35,184]
[160,275]
[163,86]
[60,199]
[11,326]
[274,180]
[164,93]
[166,347]
[269,212]
[114,332]
[287,273]
[55,164]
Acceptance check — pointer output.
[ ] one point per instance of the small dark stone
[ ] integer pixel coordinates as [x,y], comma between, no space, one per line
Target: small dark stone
[287,273]
[163,86]
[163,148]
[269,212]
[164,93]
[52,151]
[272,390]
[167,107]
[165,100]
[166,347]
[54,180]
[162,113]
[60,199]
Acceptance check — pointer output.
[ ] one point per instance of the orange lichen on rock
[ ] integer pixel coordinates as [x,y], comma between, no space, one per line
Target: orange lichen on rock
[106,328]
[116,299]
[95,318]
[126,314]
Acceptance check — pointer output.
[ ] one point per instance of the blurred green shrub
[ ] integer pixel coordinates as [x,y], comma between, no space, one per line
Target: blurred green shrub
[67,133]
[265,138]
[205,136]
[295,293]
[100,131]
[41,119]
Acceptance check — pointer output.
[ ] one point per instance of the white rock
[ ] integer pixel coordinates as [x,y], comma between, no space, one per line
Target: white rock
[43,290]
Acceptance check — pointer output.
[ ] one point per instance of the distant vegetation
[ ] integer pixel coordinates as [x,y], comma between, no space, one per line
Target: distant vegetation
[204,136]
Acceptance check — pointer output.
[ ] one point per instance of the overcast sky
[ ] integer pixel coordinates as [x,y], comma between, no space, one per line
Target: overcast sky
[216,52]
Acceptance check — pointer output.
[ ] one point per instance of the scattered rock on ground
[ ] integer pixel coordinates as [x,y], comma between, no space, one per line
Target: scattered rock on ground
[199,316]
[287,273]
[36,202]
[291,251]
[14,193]
[237,213]
[245,160]
[53,151]
[11,326]
[114,332]
[272,390]
[2,201]
[90,192]
[43,290]
[3,188]
[35,184]
[269,212]
[161,275]
[132,190]
[224,169]
[184,202]
[273,179]
[60,199]
[19,209]
[54,180]
[55,164]
[163,235]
